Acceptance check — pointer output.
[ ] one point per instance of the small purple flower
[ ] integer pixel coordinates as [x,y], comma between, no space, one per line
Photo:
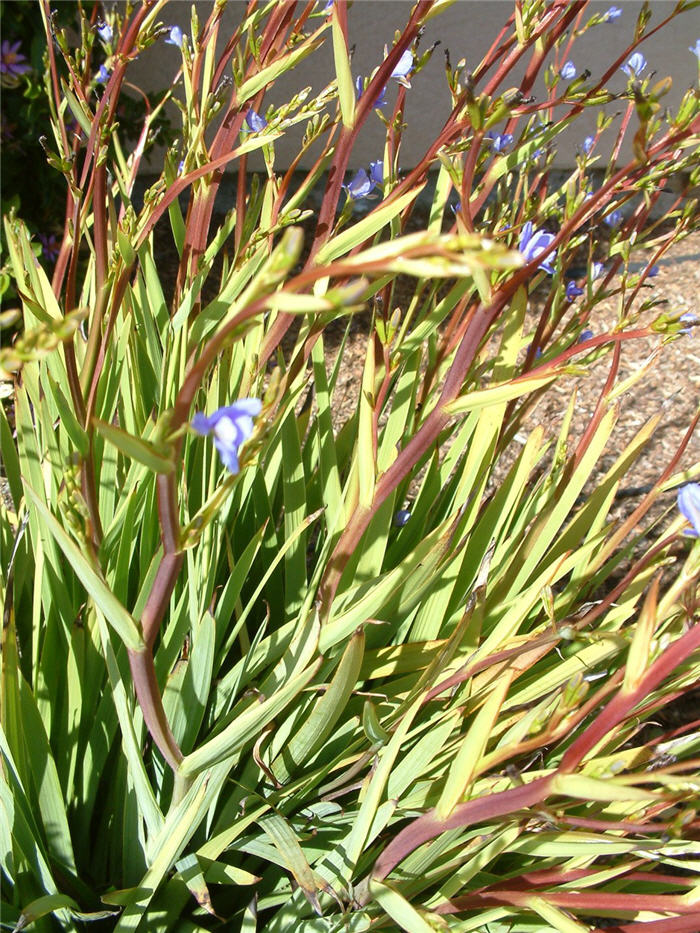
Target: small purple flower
[12,62]
[636,64]
[612,14]
[568,71]
[255,122]
[689,505]
[49,246]
[533,243]
[401,517]
[403,68]
[376,173]
[653,272]
[572,290]
[500,143]
[359,185]
[104,31]
[175,37]
[588,144]
[231,426]
[692,320]
[613,219]
[585,335]
[102,76]
[695,49]
[379,103]
[597,269]
[328,8]
[180,166]
[362,183]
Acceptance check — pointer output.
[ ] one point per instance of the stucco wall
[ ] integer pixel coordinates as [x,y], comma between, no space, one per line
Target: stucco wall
[466,29]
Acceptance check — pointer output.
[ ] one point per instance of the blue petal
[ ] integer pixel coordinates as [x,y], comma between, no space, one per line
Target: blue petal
[247,406]
[359,185]
[174,37]
[404,65]
[228,454]
[689,505]
[376,172]
[201,424]
[255,122]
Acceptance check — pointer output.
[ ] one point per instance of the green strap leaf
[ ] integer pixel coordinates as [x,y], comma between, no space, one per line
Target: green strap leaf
[346,92]
[135,447]
[110,607]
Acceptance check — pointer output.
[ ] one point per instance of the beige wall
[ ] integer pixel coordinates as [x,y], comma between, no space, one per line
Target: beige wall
[466,29]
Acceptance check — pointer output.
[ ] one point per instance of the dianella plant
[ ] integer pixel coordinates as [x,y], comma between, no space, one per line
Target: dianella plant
[273,662]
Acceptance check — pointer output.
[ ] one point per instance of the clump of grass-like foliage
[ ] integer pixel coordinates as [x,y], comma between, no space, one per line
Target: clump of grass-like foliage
[344,672]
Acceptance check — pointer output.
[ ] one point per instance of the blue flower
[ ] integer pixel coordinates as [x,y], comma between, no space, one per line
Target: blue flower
[597,269]
[692,320]
[613,219]
[636,64]
[588,144]
[653,272]
[500,143]
[12,62]
[534,242]
[403,68]
[572,290]
[231,426]
[255,122]
[401,517]
[361,183]
[376,173]
[612,14]
[379,103]
[585,335]
[568,71]
[174,37]
[102,76]
[50,247]
[689,505]
[104,31]
[180,166]
[695,49]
